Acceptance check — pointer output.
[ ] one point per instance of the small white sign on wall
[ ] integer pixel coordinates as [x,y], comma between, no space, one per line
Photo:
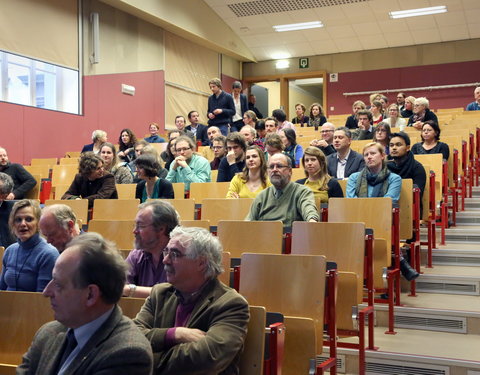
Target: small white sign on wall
[333,77]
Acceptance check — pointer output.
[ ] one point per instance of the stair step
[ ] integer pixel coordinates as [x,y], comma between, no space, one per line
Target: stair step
[449,284]
[452,257]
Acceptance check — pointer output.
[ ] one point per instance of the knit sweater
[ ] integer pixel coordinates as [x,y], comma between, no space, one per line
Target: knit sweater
[296,203]
[28,265]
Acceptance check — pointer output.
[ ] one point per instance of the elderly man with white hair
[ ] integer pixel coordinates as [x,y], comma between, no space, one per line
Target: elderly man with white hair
[195,324]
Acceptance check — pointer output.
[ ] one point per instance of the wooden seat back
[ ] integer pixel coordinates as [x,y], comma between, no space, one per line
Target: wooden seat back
[224,277]
[184,207]
[78,206]
[21,315]
[178,190]
[342,243]
[69,161]
[300,343]
[44,161]
[63,174]
[73,154]
[406,207]
[239,237]
[34,193]
[118,231]
[115,209]
[358,145]
[293,285]
[214,174]
[131,306]
[216,209]
[205,224]
[376,213]
[435,162]
[2,251]
[58,191]
[42,170]
[382,259]
[426,195]
[298,173]
[202,190]
[349,296]
[251,359]
[126,191]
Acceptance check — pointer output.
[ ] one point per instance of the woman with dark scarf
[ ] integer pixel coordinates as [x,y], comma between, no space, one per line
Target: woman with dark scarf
[431,141]
[375,180]
[421,113]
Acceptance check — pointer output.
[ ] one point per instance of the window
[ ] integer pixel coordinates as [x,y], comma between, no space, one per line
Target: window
[38,84]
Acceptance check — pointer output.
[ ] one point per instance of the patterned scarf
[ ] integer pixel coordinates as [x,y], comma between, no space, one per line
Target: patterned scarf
[378,181]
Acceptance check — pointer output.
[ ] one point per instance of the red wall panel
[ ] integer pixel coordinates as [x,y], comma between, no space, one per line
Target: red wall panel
[419,76]
[29,132]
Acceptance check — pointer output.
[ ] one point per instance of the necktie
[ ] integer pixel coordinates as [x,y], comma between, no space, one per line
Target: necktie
[70,345]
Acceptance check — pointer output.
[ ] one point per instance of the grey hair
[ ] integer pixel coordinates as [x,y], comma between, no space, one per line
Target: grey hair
[6,183]
[199,242]
[237,85]
[62,213]
[97,134]
[163,214]
[100,264]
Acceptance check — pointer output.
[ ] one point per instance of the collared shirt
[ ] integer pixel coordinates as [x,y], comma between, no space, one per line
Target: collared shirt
[238,108]
[341,164]
[142,270]
[193,129]
[82,335]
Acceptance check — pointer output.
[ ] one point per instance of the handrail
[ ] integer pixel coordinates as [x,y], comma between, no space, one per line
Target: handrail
[439,87]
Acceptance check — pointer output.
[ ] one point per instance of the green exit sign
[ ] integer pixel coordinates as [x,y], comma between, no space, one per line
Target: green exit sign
[303,63]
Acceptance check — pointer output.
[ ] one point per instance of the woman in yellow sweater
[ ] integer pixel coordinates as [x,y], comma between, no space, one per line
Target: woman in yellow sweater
[254,177]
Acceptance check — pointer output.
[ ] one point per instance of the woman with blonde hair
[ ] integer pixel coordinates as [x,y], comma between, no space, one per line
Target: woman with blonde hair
[120,171]
[408,107]
[318,180]
[352,120]
[375,180]
[254,177]
[394,119]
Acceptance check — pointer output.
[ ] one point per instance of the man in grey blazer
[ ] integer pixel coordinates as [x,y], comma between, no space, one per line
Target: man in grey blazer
[90,334]
[344,161]
[195,324]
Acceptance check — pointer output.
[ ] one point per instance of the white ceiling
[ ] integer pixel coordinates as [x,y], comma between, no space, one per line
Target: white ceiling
[355,26]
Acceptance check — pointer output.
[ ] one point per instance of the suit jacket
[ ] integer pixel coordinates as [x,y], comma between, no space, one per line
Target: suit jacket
[220,312]
[243,103]
[117,347]
[355,163]
[201,134]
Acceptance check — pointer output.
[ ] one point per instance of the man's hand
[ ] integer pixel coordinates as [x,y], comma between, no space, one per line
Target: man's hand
[231,157]
[185,335]
[217,111]
[361,126]
[10,197]
[211,116]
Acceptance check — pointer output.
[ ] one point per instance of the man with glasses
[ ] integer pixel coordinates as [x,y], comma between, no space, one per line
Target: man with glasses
[195,324]
[188,166]
[153,224]
[326,143]
[219,150]
[234,161]
[285,200]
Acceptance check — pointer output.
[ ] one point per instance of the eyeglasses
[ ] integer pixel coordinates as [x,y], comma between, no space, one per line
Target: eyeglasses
[217,147]
[280,167]
[183,149]
[174,254]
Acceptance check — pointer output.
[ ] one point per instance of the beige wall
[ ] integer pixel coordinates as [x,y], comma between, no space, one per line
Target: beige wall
[231,67]
[428,54]
[273,95]
[295,96]
[127,44]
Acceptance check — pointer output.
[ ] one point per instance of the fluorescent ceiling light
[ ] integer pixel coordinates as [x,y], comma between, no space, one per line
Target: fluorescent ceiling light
[280,55]
[418,12]
[282,64]
[298,26]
